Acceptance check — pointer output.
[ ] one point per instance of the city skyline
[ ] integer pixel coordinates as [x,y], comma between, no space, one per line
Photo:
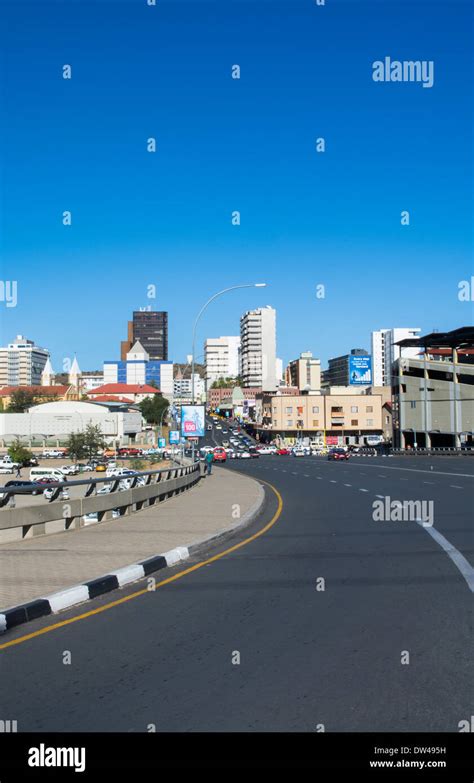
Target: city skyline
[164,219]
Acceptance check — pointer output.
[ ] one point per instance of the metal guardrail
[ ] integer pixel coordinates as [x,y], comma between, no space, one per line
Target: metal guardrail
[436,452]
[60,515]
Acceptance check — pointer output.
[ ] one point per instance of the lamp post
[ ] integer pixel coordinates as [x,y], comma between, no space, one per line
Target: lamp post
[214,296]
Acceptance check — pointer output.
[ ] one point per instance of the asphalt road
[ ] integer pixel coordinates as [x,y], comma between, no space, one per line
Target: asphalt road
[308,656]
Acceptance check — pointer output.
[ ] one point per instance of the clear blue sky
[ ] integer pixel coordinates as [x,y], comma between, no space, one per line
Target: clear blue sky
[224,145]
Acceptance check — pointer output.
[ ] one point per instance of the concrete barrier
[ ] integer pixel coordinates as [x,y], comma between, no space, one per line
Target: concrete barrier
[17,524]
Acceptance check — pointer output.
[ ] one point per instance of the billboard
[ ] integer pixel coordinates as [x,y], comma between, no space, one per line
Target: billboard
[193,421]
[174,436]
[161,443]
[360,370]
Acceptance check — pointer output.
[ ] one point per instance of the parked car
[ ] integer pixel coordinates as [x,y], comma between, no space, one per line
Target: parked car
[100,467]
[31,487]
[337,454]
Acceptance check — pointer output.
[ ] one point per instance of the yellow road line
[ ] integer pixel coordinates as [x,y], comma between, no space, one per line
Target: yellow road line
[92,612]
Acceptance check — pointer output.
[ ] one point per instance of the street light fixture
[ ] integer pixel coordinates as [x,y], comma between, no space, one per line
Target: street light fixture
[214,296]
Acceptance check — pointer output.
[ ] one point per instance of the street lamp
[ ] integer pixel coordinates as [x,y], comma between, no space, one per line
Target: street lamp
[219,293]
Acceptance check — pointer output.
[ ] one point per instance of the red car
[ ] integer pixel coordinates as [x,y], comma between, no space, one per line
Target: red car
[219,455]
[283,452]
[338,454]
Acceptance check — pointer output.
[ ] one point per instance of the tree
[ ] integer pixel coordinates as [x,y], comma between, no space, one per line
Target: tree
[20,401]
[76,446]
[93,439]
[18,452]
[152,408]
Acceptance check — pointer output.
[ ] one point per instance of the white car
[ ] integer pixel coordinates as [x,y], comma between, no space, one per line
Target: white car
[218,426]
[265,450]
[69,470]
[245,455]
[6,469]
[298,453]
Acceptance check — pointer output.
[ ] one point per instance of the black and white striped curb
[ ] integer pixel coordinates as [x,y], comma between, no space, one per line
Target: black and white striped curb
[78,594]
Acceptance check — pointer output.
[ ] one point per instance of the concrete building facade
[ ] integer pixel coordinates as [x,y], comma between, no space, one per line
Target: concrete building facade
[258,348]
[385,351]
[304,373]
[221,357]
[22,363]
[433,394]
[138,368]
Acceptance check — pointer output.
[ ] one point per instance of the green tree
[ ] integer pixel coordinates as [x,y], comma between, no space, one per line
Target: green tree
[93,439]
[76,446]
[18,452]
[20,401]
[152,408]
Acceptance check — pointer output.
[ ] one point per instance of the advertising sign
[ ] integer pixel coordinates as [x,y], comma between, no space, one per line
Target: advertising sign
[332,440]
[161,443]
[360,370]
[192,421]
[174,436]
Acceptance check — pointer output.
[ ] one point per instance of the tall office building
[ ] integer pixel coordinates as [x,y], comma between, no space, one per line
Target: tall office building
[258,348]
[338,372]
[385,352]
[150,328]
[22,363]
[221,357]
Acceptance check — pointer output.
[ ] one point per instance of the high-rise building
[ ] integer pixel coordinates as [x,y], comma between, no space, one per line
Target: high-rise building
[258,348]
[22,363]
[385,352]
[150,327]
[304,373]
[338,372]
[221,356]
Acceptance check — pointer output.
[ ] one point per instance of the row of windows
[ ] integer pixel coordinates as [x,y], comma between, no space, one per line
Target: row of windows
[354,423]
[334,409]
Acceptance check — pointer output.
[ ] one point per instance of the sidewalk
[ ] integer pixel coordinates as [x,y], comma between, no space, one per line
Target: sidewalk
[37,567]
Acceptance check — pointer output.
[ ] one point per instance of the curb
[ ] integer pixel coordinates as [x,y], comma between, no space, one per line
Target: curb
[78,594]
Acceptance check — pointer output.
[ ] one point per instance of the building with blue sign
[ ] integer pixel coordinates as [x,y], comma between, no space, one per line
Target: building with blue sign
[137,368]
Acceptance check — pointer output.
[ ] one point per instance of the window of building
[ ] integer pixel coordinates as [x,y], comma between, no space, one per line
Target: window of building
[370,422]
[315,422]
[387,419]
[336,409]
[274,409]
[275,422]
[315,409]
[289,410]
[289,423]
[354,422]
[354,409]
[369,409]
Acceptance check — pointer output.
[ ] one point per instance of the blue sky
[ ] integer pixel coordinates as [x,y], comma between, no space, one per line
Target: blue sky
[222,144]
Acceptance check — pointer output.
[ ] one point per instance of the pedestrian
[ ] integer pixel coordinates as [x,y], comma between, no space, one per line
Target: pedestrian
[18,471]
[208,460]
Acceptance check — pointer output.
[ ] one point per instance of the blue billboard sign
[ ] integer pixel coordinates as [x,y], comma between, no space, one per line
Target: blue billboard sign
[174,436]
[360,370]
[192,421]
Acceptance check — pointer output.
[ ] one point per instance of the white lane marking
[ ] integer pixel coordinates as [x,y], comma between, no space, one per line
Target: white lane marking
[380,496]
[428,482]
[319,477]
[295,473]
[382,475]
[305,475]
[332,481]
[458,559]
[420,470]
[456,486]
[363,490]
[348,485]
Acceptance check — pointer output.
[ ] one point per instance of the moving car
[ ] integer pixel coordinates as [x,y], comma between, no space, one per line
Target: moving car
[219,454]
[338,454]
[299,452]
[52,474]
[253,452]
[282,452]
[245,455]
[101,467]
